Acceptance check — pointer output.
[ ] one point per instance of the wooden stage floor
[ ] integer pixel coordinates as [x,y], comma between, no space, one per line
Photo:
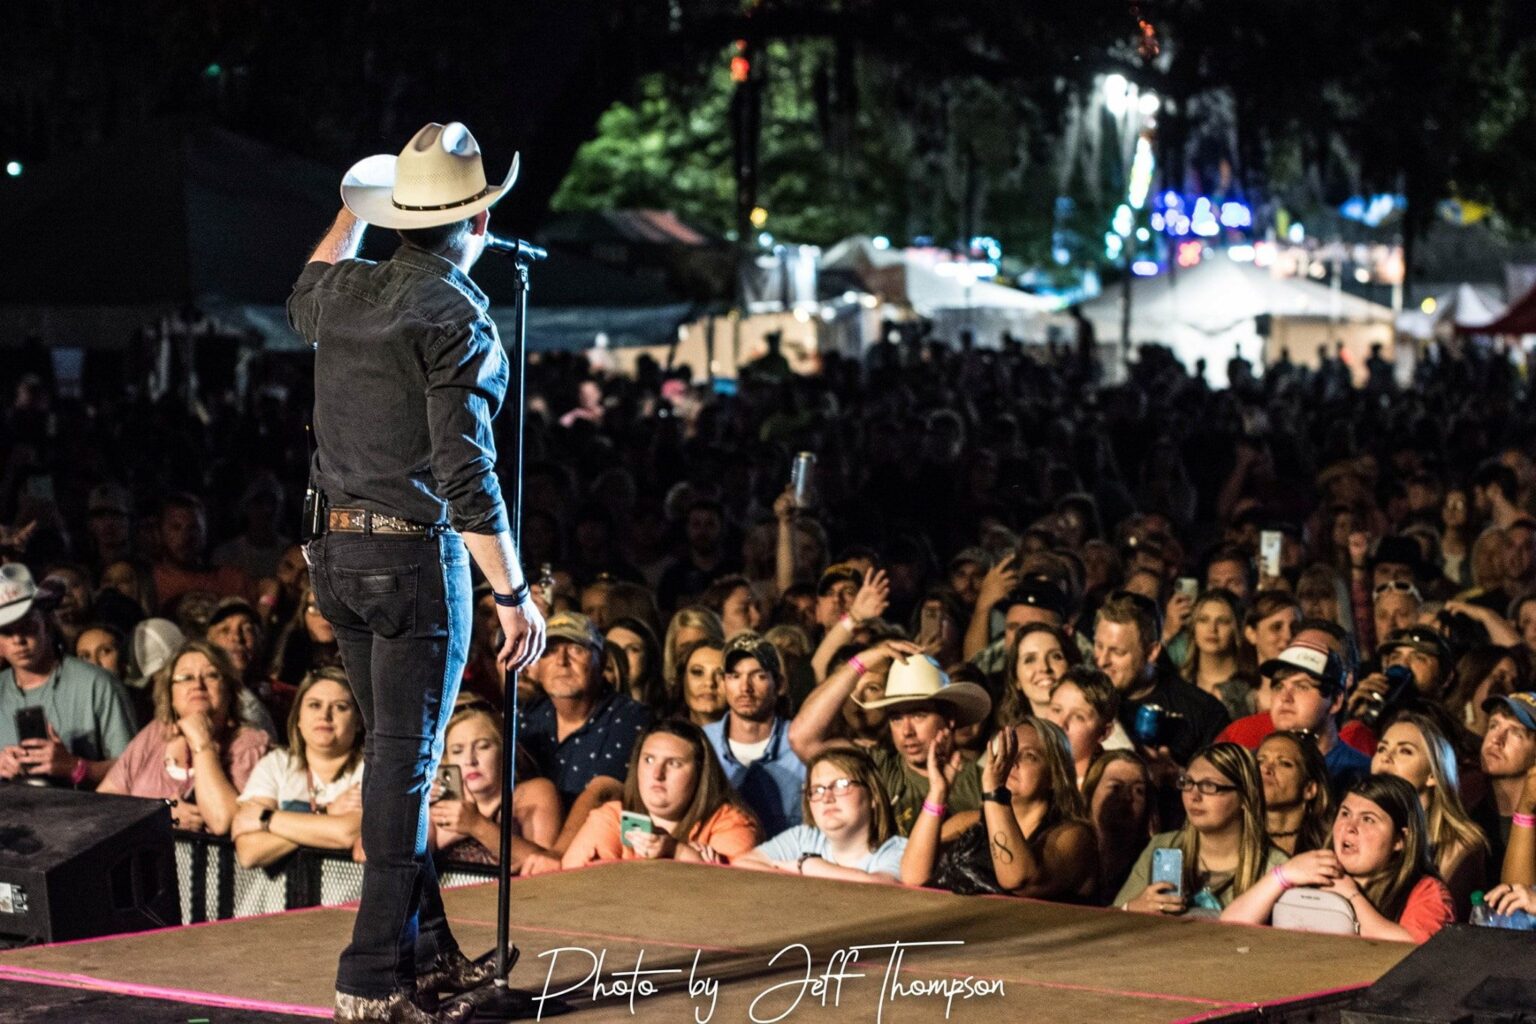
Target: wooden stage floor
[755,947]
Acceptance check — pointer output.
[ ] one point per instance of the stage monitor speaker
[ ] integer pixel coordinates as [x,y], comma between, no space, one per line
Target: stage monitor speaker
[1463,975]
[77,865]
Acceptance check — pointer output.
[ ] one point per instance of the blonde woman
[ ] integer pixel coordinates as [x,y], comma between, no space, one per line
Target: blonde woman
[1032,837]
[1218,650]
[689,626]
[1225,847]
[1415,750]
[311,793]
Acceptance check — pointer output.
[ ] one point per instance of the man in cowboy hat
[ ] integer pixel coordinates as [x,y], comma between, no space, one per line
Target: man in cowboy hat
[409,373]
[923,708]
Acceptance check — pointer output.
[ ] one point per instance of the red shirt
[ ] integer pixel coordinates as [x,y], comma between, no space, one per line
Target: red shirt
[1250,732]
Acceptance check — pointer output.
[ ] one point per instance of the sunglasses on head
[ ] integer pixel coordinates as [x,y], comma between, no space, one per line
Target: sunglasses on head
[1396,586]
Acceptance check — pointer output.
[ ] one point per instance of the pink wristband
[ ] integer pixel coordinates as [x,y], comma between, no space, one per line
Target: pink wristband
[858,666]
[937,810]
[1523,820]
[1285,883]
[77,774]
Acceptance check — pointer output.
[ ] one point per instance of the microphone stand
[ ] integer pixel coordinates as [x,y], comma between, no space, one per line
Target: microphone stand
[502,1002]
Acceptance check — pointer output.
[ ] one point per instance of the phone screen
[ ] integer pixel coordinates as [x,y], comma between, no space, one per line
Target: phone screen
[1168,866]
[630,821]
[450,782]
[1269,553]
[31,724]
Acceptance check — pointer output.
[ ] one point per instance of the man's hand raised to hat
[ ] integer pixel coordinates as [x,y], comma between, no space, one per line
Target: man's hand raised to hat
[523,626]
[873,598]
[889,650]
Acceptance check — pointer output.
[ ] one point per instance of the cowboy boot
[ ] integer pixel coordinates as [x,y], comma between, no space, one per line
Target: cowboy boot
[396,1008]
[453,973]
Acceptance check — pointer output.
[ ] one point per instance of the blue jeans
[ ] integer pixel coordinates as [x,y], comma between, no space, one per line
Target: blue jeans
[401,610]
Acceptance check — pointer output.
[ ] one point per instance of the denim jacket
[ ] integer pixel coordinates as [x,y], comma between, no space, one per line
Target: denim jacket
[409,373]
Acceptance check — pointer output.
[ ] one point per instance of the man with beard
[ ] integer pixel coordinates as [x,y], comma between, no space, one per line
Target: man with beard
[752,739]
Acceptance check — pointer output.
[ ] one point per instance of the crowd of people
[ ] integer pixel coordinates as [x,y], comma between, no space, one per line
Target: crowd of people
[1143,645]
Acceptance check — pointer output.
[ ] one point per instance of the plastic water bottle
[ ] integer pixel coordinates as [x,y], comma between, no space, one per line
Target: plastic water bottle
[1484,915]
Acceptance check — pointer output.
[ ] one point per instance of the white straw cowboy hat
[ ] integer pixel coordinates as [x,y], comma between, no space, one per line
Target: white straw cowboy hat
[438,178]
[919,678]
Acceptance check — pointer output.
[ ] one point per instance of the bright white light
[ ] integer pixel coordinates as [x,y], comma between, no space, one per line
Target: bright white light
[1141,173]
[1235,215]
[1317,270]
[1116,93]
[1240,253]
[802,316]
[1264,254]
[1112,245]
[850,297]
[880,242]
[1362,275]
[1144,268]
[765,239]
[1429,305]
[1297,233]
[1203,218]
[13,168]
[828,314]
[1149,104]
[869,301]
[601,340]
[1157,222]
[1142,234]
[1123,222]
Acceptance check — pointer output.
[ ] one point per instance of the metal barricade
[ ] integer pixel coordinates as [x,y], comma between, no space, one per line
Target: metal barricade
[212,885]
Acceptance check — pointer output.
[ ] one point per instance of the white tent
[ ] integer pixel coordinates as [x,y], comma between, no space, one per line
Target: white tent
[1211,310]
[945,292]
[1466,305]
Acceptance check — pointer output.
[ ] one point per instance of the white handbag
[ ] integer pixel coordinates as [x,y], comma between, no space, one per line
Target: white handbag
[1315,910]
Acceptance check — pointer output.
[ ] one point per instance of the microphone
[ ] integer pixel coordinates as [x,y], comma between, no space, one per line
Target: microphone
[517,248]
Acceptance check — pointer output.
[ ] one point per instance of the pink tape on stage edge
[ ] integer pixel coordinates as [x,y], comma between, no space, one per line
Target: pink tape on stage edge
[178,995]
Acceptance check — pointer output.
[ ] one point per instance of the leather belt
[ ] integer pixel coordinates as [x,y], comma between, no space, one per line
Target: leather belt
[362,520]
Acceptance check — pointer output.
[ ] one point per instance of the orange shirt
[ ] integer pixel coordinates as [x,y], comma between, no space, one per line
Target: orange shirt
[728,832]
[1428,909]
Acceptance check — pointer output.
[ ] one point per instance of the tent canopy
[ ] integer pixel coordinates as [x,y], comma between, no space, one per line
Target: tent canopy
[899,275]
[1519,318]
[1465,305]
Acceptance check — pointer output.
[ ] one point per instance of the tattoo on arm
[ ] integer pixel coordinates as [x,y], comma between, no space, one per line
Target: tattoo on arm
[1001,851]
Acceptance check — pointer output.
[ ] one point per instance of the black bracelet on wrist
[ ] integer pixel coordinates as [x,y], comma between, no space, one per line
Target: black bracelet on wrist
[518,596]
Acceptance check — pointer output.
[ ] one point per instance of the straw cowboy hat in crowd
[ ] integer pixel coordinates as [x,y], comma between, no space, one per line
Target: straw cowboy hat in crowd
[919,678]
[438,178]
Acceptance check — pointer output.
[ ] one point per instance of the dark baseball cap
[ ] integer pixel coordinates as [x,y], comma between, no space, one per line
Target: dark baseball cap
[1037,591]
[1422,639]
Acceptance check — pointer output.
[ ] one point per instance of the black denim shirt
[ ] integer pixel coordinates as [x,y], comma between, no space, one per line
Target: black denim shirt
[409,373]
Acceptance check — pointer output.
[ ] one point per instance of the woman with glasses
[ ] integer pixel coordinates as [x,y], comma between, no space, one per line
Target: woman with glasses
[1416,750]
[1298,804]
[1037,656]
[854,833]
[1223,843]
[311,793]
[1379,860]
[1217,652]
[197,753]
[1032,837]
[677,805]
[468,828]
